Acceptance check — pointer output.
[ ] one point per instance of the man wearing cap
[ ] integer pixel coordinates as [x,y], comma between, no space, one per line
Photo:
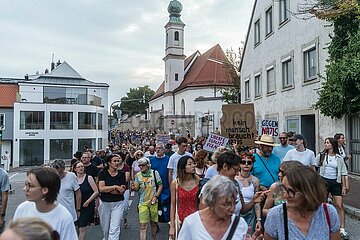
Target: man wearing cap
[283,148]
[168,150]
[266,165]
[68,186]
[301,153]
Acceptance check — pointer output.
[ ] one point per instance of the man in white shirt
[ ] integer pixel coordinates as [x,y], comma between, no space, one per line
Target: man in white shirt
[69,185]
[174,159]
[6,161]
[301,153]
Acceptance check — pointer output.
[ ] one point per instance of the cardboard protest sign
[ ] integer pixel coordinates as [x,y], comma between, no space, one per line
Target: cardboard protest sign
[214,141]
[238,124]
[162,138]
[270,127]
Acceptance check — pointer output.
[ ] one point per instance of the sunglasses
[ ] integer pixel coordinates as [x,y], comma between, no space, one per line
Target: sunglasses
[291,140]
[282,137]
[142,165]
[247,162]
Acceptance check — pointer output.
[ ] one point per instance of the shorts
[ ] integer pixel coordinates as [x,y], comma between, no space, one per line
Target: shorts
[148,212]
[333,187]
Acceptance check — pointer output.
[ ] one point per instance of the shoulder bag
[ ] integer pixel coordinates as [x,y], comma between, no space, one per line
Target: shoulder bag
[266,168]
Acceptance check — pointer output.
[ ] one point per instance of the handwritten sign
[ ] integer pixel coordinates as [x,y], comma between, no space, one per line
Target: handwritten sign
[214,141]
[270,127]
[238,124]
[162,138]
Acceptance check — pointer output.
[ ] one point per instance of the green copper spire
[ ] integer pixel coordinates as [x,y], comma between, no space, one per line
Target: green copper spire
[175,8]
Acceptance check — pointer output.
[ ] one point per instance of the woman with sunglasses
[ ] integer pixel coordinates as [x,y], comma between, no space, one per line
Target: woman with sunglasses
[275,197]
[304,215]
[112,185]
[148,183]
[250,185]
[135,165]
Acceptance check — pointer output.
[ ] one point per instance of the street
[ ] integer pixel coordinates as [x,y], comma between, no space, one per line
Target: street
[132,231]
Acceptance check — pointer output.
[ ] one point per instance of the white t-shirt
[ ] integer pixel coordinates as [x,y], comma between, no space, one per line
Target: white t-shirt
[306,157]
[59,218]
[193,228]
[68,186]
[173,162]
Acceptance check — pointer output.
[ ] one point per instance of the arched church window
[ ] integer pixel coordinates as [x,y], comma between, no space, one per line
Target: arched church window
[176,77]
[182,107]
[176,36]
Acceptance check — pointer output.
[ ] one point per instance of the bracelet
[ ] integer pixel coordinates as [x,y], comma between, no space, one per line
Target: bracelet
[156,196]
[258,219]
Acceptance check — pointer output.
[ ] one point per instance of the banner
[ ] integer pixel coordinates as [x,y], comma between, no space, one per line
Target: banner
[238,124]
[214,141]
[270,127]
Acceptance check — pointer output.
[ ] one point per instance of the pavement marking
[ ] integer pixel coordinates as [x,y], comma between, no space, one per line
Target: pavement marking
[13,175]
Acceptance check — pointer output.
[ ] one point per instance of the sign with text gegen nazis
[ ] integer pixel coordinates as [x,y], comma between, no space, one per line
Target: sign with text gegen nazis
[238,124]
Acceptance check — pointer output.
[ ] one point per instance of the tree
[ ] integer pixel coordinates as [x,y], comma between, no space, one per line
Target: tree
[231,94]
[136,101]
[340,93]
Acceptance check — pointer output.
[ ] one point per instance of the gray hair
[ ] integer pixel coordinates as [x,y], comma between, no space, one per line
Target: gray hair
[216,188]
[162,145]
[144,160]
[217,153]
[58,164]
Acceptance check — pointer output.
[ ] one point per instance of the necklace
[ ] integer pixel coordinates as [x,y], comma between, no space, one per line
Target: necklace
[245,177]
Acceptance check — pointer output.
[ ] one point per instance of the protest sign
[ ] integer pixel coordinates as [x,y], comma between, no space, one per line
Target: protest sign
[214,141]
[270,127]
[238,124]
[162,138]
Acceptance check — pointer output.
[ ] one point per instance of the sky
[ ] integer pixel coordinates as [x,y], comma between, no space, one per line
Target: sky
[118,42]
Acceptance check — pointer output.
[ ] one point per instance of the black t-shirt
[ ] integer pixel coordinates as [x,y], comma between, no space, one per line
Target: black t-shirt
[92,171]
[96,161]
[130,160]
[119,180]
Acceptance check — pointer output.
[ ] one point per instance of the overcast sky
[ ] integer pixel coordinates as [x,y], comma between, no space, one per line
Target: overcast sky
[119,42]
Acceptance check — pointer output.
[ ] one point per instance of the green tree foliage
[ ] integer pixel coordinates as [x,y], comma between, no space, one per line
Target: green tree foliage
[340,93]
[136,101]
[232,94]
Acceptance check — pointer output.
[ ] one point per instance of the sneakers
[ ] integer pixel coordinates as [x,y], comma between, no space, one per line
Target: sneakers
[344,234]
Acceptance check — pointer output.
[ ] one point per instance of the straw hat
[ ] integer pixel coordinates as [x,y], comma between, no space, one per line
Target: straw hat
[266,140]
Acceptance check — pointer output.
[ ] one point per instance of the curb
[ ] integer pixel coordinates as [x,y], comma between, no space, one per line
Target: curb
[354,212]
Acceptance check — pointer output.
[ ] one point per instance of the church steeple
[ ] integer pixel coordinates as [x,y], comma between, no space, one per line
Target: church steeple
[174,47]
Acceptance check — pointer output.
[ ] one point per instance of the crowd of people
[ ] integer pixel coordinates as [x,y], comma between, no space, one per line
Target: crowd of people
[267,191]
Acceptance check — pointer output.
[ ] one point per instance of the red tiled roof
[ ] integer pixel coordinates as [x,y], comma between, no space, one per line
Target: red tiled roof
[207,70]
[8,94]
[159,91]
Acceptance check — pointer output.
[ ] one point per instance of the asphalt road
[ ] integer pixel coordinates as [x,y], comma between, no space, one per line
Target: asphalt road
[17,180]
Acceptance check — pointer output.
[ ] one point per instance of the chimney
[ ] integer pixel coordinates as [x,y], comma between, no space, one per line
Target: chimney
[58,63]
[26,77]
[52,63]
[46,71]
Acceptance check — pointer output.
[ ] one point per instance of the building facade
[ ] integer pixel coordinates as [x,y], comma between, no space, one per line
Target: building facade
[56,114]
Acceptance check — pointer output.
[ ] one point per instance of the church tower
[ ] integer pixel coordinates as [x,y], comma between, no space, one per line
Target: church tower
[174,48]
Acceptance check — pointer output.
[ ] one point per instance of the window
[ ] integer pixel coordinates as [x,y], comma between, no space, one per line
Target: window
[31,120]
[2,121]
[100,123]
[269,21]
[176,77]
[310,64]
[257,32]
[182,107]
[167,39]
[258,85]
[89,142]
[31,152]
[61,120]
[100,145]
[287,73]
[176,36]
[63,95]
[61,149]
[284,10]
[270,79]
[87,120]
[247,89]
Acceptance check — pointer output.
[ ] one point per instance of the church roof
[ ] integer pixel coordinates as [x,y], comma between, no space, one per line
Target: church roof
[207,70]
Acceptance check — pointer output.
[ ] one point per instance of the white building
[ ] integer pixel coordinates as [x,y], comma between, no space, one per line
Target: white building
[56,114]
[189,97]
[283,58]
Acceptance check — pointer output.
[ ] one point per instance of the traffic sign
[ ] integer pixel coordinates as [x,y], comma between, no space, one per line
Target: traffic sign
[172,122]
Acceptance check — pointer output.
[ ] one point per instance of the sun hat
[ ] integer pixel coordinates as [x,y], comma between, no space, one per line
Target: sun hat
[266,140]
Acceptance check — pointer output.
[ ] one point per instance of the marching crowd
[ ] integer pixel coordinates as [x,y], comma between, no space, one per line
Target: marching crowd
[269,191]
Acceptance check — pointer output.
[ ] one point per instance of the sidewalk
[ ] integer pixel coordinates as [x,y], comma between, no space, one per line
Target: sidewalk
[352,199]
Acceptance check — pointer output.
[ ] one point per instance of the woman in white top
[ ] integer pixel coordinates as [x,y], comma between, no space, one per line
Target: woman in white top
[216,220]
[42,187]
[340,138]
[250,185]
[333,171]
